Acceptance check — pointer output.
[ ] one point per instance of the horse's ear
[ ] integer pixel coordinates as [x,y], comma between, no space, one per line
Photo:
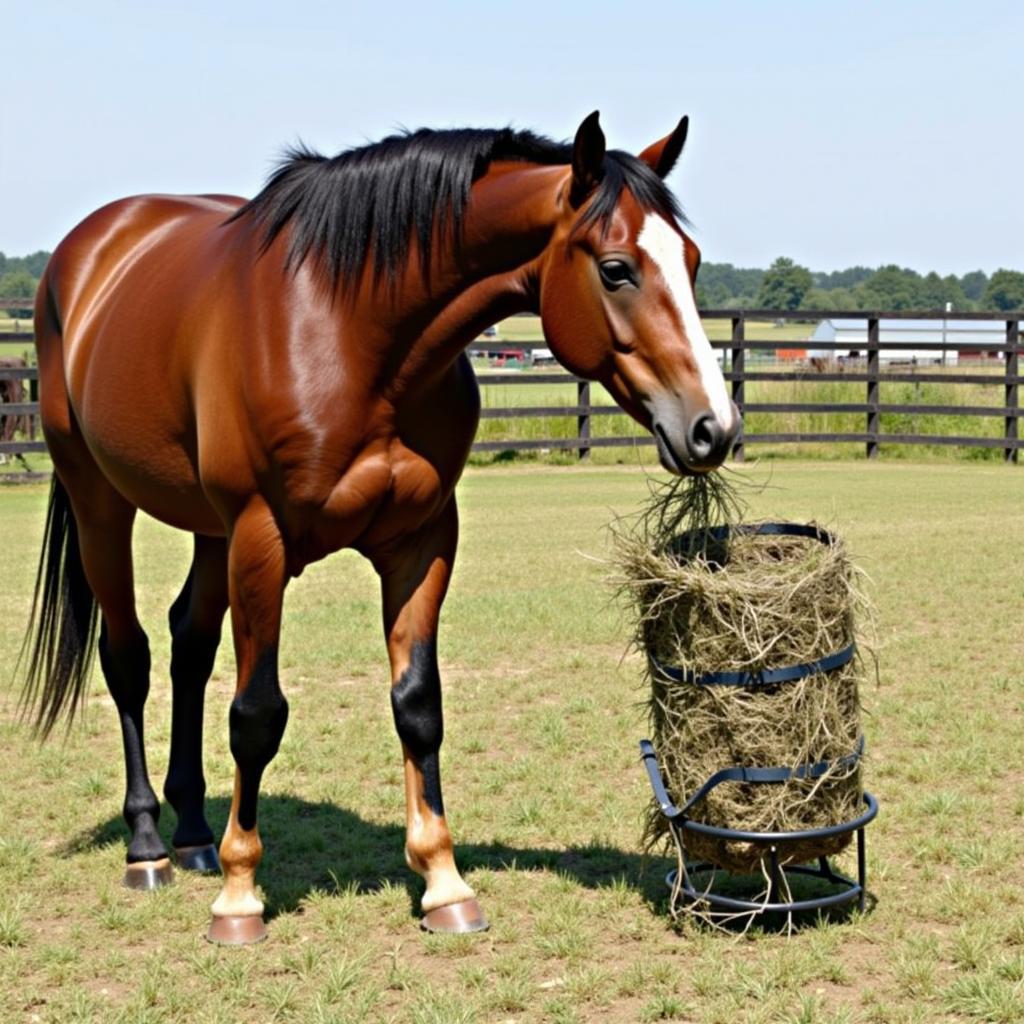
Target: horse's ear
[587,159]
[662,155]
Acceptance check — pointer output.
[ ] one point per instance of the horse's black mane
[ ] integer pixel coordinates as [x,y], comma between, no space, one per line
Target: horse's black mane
[373,198]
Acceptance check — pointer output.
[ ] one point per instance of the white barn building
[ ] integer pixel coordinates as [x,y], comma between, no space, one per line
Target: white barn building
[966,338]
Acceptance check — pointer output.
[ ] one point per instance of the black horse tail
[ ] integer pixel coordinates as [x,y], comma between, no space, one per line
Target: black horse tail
[62,628]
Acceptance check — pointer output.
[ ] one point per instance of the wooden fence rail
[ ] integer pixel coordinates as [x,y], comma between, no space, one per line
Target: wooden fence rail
[870,372]
[738,372]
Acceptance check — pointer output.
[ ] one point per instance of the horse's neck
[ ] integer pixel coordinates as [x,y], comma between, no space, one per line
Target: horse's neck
[512,212]
[508,224]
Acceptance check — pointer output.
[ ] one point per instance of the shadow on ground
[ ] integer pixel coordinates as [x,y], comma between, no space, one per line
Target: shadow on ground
[310,846]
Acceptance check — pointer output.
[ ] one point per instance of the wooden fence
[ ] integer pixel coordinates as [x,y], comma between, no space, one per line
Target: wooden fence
[867,370]
[870,371]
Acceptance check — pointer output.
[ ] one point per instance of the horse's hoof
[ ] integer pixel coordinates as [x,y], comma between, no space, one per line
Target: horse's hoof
[203,859]
[455,919]
[149,874]
[236,931]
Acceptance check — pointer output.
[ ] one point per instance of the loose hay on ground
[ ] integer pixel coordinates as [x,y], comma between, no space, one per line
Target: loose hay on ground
[746,603]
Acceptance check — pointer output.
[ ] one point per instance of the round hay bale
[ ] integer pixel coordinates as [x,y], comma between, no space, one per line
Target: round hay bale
[712,599]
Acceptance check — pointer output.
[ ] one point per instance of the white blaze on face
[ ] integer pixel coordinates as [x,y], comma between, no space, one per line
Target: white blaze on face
[667,249]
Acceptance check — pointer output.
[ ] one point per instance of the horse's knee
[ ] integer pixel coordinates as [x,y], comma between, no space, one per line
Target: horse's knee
[416,702]
[192,656]
[258,716]
[257,721]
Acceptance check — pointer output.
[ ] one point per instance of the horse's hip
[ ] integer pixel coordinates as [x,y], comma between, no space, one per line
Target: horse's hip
[118,344]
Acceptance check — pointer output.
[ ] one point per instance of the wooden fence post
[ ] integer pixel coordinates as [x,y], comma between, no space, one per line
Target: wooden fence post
[33,396]
[737,364]
[1011,430]
[874,416]
[583,418]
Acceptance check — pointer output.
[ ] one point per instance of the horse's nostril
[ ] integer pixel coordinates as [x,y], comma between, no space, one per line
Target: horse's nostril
[704,437]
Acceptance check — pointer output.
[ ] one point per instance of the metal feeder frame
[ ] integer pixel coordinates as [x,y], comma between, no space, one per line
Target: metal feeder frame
[850,889]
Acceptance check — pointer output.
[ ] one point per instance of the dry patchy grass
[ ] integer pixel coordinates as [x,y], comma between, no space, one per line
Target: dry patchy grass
[544,789]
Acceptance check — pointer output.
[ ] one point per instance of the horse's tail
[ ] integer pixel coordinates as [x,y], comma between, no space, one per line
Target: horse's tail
[62,629]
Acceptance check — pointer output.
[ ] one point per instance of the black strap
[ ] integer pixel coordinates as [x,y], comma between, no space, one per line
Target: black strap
[756,530]
[759,677]
[765,676]
[803,771]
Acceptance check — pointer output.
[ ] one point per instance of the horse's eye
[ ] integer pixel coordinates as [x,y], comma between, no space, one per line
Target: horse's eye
[615,273]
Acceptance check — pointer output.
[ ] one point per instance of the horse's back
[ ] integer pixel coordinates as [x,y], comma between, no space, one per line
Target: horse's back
[119,318]
[106,246]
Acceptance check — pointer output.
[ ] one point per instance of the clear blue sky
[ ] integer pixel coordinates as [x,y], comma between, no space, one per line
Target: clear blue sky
[836,133]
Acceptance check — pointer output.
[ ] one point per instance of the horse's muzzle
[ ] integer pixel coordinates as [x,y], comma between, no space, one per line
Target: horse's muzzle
[707,442]
[702,445]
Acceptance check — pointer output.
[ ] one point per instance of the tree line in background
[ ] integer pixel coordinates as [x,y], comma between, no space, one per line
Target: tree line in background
[787,285]
[19,277]
[784,285]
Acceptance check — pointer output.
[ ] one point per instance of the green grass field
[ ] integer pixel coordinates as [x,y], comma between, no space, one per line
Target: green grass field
[543,786]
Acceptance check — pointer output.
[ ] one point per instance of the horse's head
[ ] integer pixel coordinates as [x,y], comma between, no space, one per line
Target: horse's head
[617,299]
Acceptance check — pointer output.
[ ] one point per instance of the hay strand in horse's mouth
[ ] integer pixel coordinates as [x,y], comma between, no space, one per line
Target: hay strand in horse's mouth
[707,599]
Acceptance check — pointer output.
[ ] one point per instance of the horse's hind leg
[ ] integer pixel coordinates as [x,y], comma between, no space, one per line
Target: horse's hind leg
[195,619]
[105,523]
[104,520]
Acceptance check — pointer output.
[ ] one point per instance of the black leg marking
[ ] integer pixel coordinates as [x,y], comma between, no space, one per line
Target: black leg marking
[416,704]
[257,721]
[192,657]
[431,770]
[127,674]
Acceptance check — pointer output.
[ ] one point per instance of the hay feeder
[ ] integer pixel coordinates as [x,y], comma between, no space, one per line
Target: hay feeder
[795,798]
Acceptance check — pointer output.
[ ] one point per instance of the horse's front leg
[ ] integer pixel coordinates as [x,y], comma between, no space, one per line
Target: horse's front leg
[414,582]
[259,712]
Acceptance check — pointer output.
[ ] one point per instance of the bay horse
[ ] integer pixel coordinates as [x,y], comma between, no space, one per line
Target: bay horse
[286,377]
